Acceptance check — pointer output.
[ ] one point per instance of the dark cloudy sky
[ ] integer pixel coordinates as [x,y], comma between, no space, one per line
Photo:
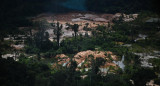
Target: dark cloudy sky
[75,4]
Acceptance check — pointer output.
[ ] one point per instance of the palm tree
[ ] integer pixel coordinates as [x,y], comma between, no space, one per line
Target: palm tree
[75,29]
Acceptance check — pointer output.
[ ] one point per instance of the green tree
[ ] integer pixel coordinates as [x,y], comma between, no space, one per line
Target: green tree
[58,32]
[38,56]
[40,36]
[103,31]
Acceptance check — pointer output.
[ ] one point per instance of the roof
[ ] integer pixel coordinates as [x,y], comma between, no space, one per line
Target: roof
[151,20]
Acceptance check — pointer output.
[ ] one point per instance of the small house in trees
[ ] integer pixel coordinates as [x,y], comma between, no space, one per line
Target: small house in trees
[153,20]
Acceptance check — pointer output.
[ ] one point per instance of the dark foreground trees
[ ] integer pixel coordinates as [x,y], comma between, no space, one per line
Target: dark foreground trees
[142,76]
[14,74]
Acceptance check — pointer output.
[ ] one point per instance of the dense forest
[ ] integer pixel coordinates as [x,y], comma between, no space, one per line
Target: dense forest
[120,42]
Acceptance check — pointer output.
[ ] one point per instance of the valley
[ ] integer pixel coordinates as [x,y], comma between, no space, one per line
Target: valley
[79,43]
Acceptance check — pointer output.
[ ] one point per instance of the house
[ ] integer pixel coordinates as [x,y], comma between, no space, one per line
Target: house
[153,20]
